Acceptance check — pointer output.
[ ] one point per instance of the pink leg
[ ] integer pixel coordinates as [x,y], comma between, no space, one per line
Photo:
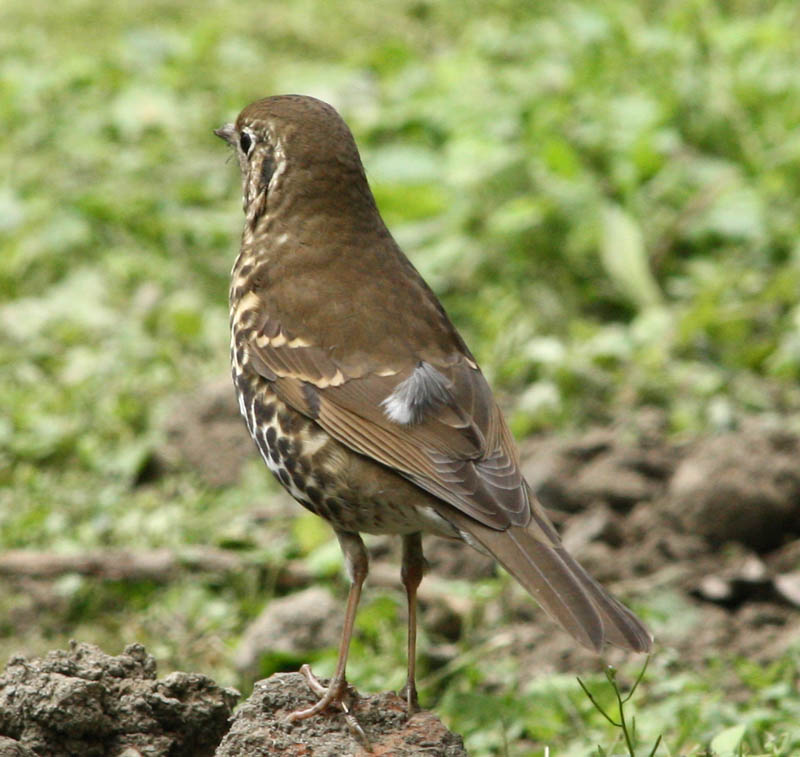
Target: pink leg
[357,564]
[411,572]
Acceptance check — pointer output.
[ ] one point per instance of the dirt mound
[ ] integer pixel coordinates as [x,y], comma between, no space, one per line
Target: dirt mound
[260,728]
[205,432]
[83,702]
[742,487]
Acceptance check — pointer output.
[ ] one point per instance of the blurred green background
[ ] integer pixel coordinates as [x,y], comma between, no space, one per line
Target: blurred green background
[605,196]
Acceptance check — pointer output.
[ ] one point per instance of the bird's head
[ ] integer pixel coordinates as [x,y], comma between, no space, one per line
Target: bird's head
[293,146]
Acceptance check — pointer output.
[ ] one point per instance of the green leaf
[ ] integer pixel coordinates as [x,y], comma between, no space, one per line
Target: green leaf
[727,742]
[624,257]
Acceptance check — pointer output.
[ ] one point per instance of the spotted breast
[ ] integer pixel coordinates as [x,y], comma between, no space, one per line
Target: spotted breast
[350,491]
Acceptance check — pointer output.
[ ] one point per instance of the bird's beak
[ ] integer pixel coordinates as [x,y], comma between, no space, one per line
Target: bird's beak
[226,132]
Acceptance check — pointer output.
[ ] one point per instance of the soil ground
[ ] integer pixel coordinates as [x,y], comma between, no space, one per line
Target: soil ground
[712,523]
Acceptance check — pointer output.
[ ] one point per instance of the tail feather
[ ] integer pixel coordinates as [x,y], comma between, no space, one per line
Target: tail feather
[559,584]
[546,575]
[623,629]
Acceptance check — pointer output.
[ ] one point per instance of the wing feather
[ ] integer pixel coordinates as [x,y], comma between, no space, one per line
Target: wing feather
[460,450]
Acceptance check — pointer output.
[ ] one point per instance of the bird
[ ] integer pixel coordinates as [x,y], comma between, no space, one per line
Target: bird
[362,397]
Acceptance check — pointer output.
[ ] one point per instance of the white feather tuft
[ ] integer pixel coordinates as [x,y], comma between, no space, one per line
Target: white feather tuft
[425,389]
[398,409]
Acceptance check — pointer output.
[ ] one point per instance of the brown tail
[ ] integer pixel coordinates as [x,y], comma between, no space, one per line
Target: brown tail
[534,555]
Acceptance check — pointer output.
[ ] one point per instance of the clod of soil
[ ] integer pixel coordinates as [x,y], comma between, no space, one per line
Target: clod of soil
[742,487]
[85,703]
[600,466]
[260,728]
[205,432]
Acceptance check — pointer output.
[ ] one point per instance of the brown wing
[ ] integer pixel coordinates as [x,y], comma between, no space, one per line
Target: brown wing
[459,450]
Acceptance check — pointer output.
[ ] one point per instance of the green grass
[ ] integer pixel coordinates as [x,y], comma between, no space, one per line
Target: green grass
[605,197]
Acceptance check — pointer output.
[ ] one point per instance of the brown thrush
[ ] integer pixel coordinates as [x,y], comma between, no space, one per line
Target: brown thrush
[362,397]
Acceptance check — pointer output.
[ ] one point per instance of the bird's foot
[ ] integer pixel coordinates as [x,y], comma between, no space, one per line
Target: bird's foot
[409,693]
[335,694]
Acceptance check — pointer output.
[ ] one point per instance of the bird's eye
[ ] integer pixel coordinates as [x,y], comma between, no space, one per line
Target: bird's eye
[244,142]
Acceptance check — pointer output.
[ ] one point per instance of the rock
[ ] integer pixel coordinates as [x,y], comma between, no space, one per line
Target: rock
[293,625]
[737,580]
[85,703]
[260,728]
[788,587]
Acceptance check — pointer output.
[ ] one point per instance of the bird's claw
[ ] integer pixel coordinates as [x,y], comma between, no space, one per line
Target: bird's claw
[336,693]
[409,694]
